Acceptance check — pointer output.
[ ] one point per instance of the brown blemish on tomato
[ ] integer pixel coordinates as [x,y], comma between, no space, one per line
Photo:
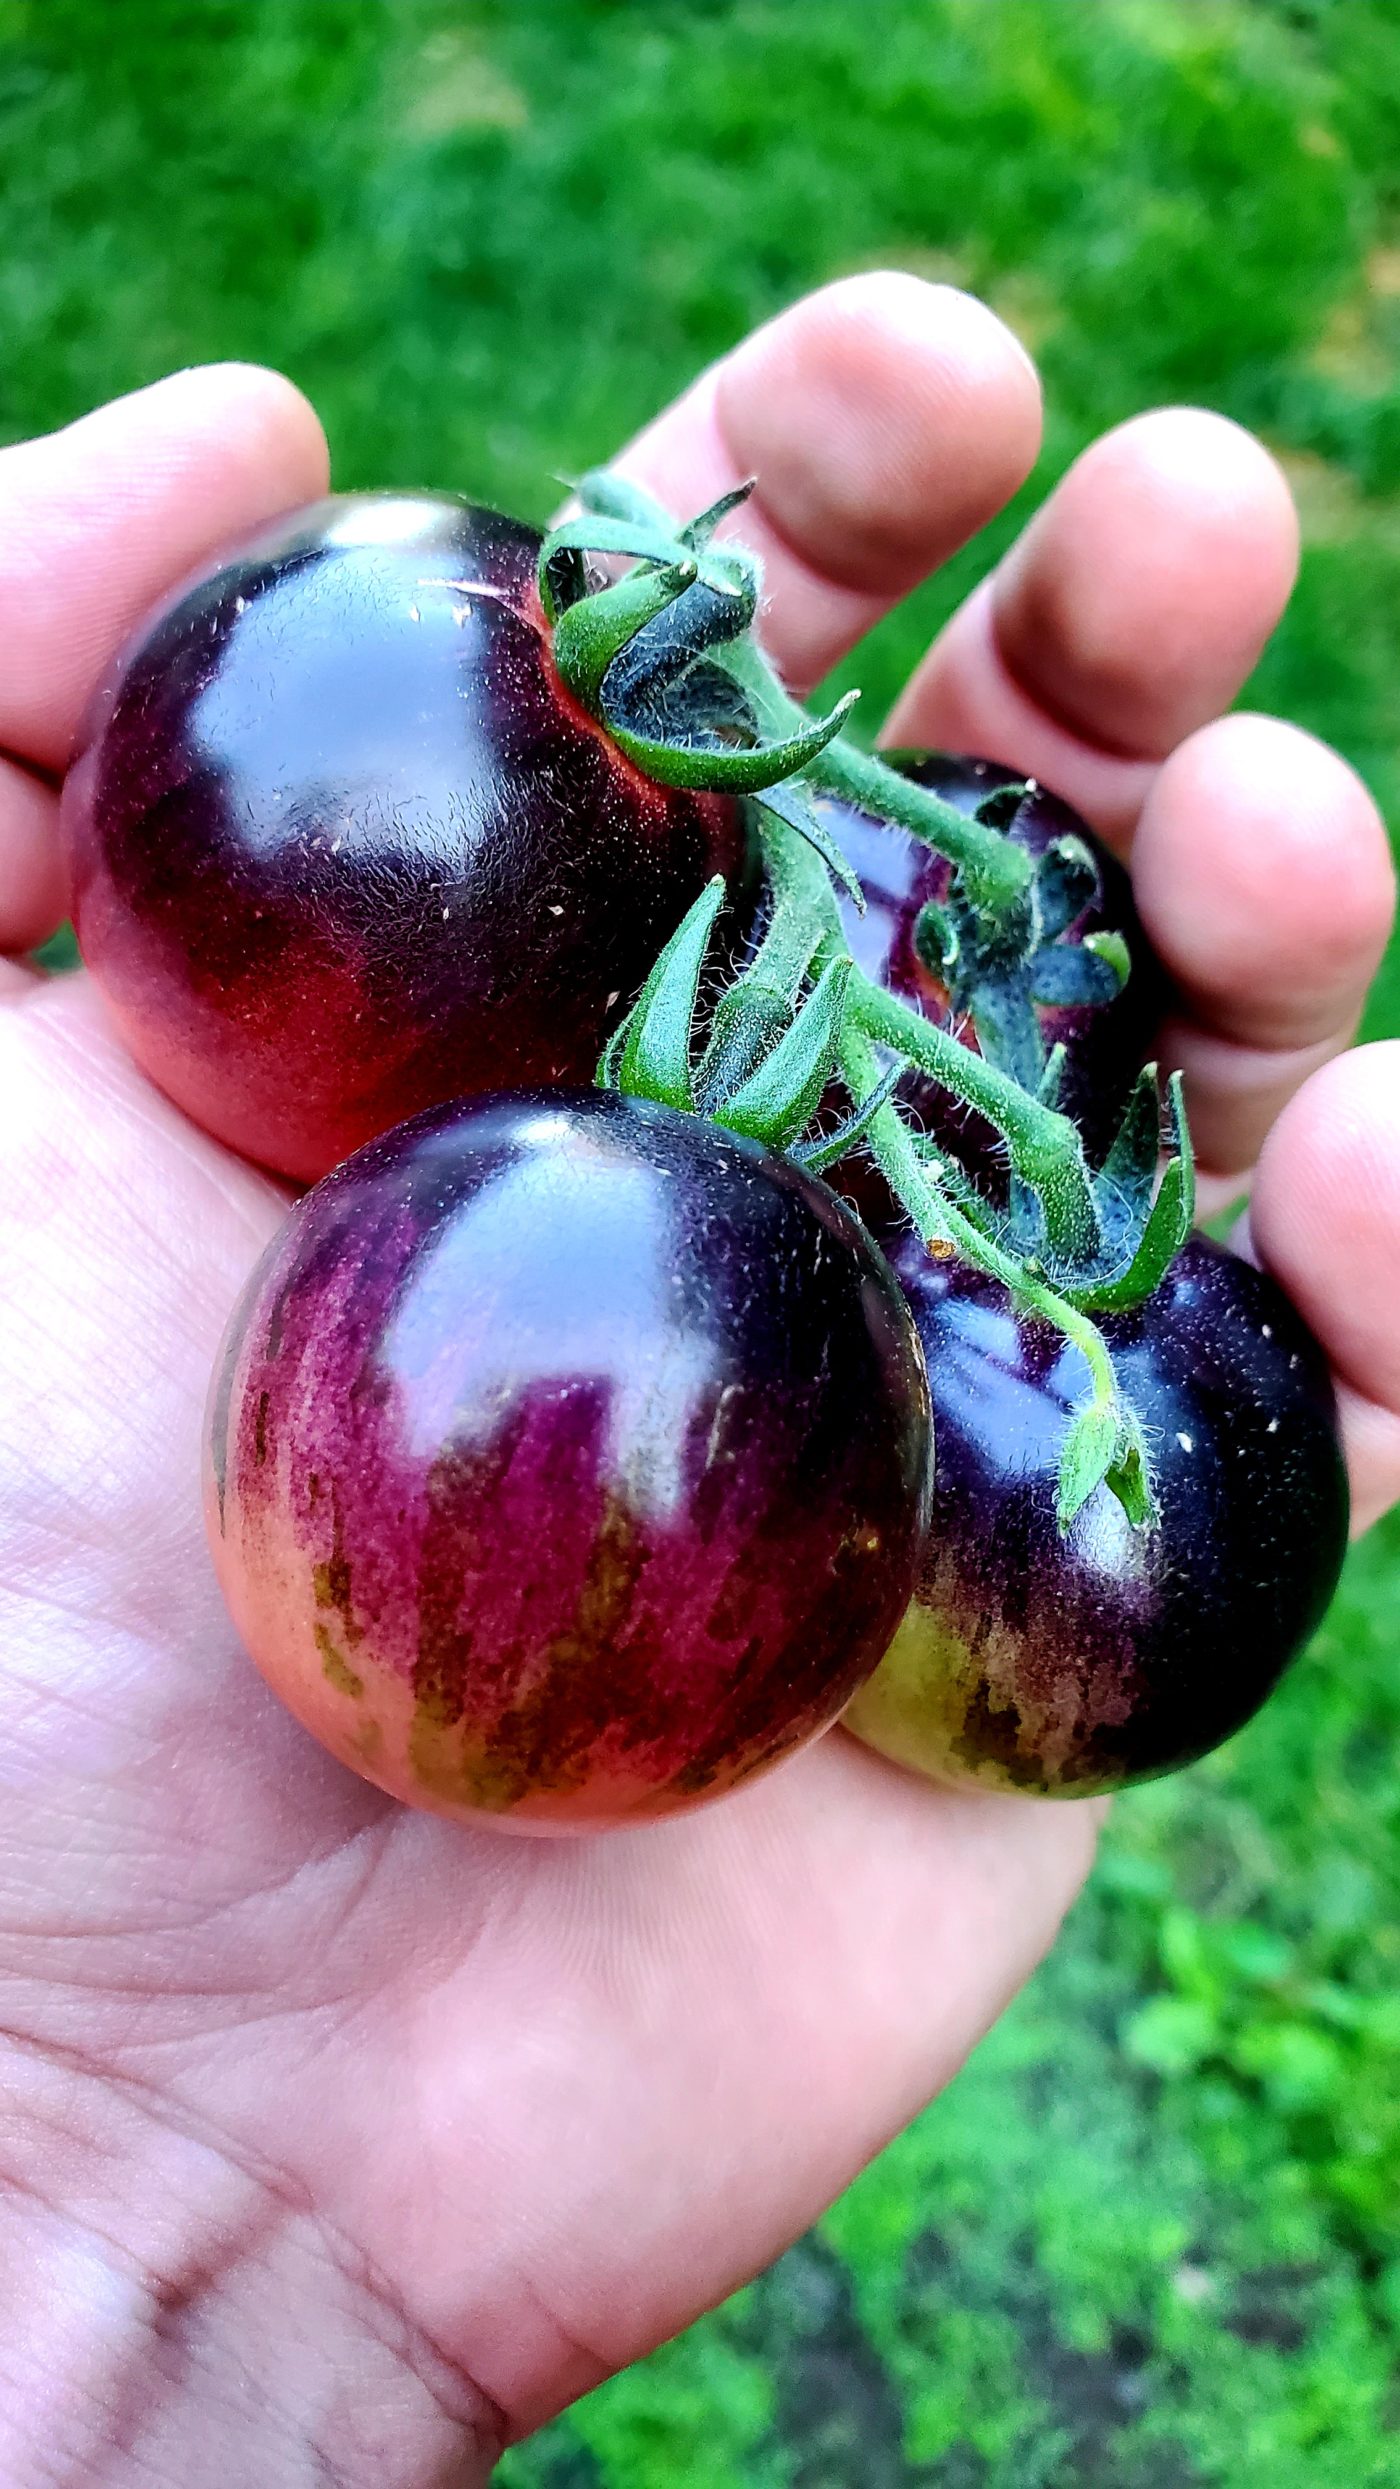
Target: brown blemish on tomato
[330,1579]
[337,1668]
[368,1741]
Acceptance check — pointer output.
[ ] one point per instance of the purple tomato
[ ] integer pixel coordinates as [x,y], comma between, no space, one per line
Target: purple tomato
[567,1460]
[342,846]
[1068,1665]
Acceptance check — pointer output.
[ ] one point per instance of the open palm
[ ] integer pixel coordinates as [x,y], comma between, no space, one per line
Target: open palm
[339,2144]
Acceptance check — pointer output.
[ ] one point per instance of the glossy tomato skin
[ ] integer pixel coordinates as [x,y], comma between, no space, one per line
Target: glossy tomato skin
[567,1460]
[341,846]
[1104,1047]
[1066,1666]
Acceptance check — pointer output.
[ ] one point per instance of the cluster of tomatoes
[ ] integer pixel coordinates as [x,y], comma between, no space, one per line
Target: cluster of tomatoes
[572,1457]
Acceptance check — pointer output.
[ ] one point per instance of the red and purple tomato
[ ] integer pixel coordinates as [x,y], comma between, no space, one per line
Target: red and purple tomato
[1065,1665]
[342,847]
[567,1460]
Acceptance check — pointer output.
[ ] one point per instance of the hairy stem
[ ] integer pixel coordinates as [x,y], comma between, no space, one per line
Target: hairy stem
[996,875]
[942,1226]
[1044,1146]
[801,914]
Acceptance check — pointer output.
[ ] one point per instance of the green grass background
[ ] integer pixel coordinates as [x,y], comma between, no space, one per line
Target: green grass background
[1150,2237]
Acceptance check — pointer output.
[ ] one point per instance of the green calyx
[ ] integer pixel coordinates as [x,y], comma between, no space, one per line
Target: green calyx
[666,661]
[663,656]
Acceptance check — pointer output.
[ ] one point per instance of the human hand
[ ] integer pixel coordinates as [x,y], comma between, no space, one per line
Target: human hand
[339,2144]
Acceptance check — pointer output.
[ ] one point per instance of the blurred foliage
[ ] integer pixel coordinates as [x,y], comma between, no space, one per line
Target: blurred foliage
[1150,2238]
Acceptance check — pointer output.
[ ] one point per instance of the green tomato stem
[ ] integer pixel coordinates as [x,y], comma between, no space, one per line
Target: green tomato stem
[996,875]
[801,914]
[943,1227]
[1044,1146]
[630,649]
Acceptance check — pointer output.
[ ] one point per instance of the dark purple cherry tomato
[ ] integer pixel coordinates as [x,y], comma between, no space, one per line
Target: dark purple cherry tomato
[1105,1047]
[342,846]
[1067,1665]
[568,1460]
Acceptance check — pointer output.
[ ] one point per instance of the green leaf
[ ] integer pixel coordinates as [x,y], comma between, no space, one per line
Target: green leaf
[1300,2069]
[778,1101]
[655,1059]
[1171,2035]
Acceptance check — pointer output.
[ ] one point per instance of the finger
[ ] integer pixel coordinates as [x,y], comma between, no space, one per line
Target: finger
[31,874]
[99,520]
[1325,1219]
[1130,612]
[1263,876]
[886,421]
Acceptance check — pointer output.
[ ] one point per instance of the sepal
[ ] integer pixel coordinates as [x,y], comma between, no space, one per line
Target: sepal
[728,769]
[789,802]
[1104,1446]
[655,1058]
[957,1186]
[1167,1226]
[1070,975]
[606,494]
[608,1074]
[1086,1457]
[1066,882]
[746,1024]
[1048,1089]
[829,1147]
[699,531]
[1129,1172]
[591,635]
[936,940]
[1111,948]
[778,1100]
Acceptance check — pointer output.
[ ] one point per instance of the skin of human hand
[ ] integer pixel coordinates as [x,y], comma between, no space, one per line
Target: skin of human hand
[337,2144]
